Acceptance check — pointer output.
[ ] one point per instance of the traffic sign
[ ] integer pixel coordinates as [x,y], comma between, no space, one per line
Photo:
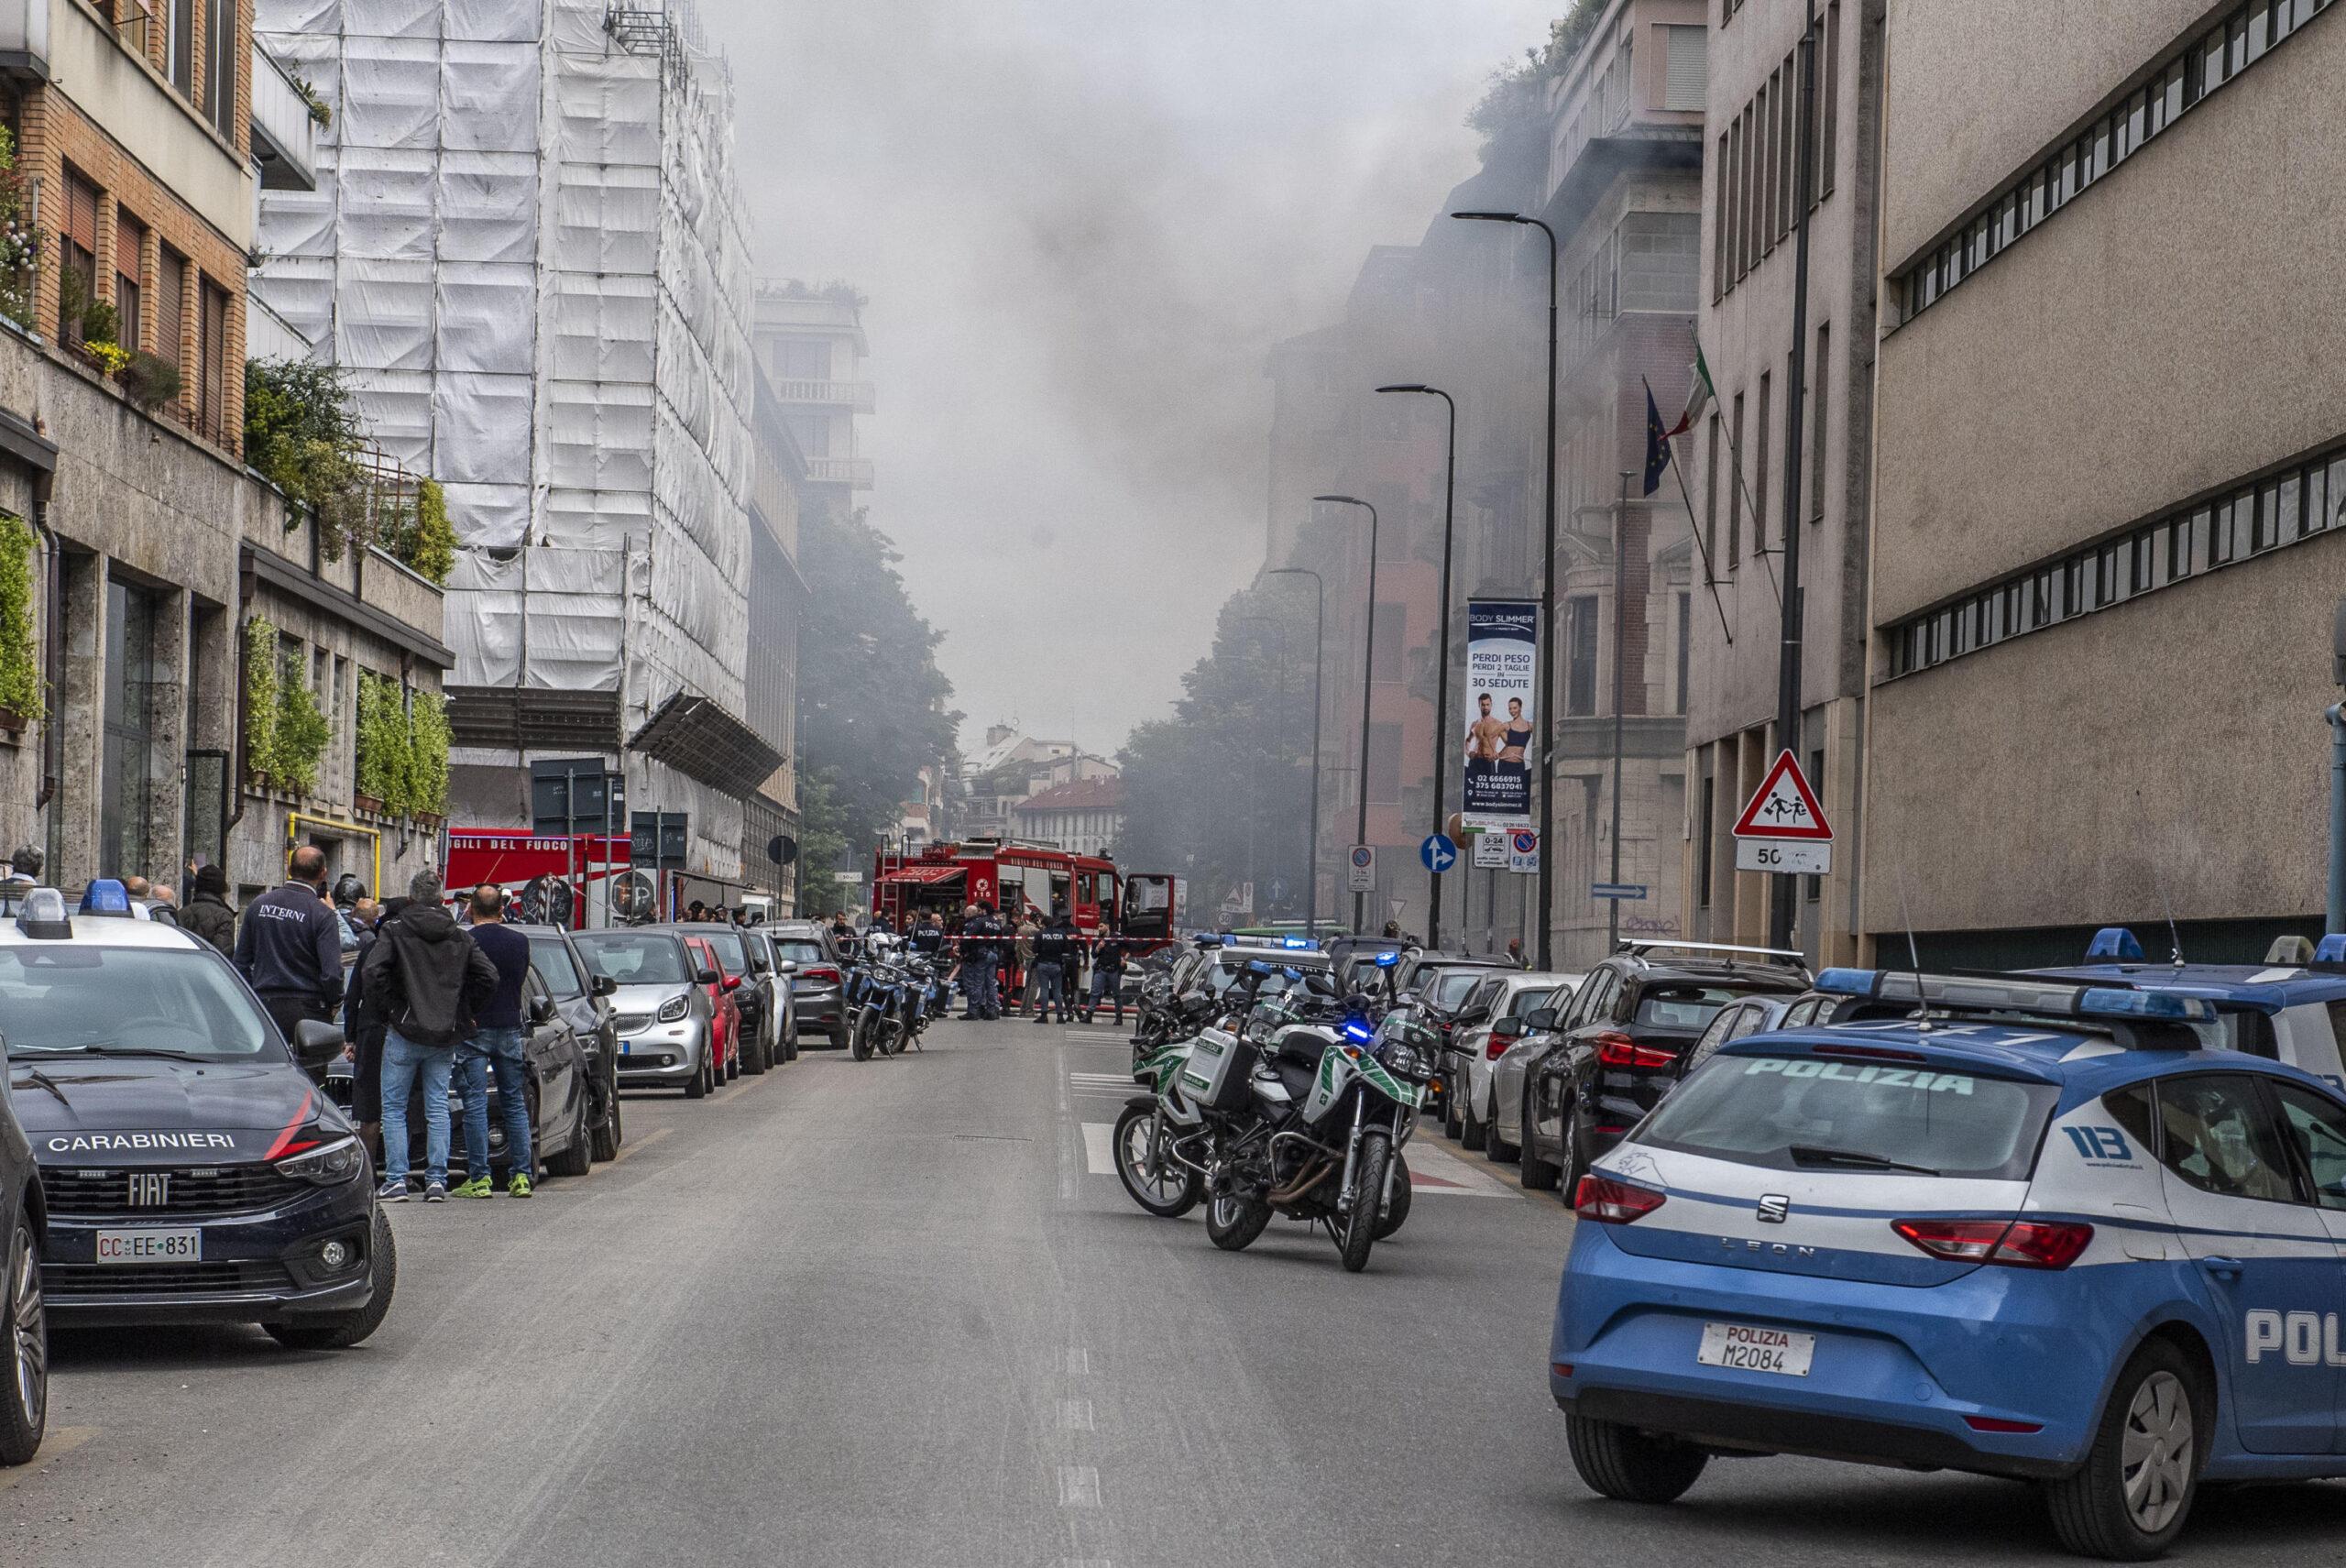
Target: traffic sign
[1278,889]
[1490,850]
[1784,806]
[1631,891]
[1523,851]
[1793,856]
[1363,867]
[1438,853]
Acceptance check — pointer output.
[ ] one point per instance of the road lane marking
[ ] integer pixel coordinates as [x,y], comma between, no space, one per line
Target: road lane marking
[1078,1362]
[1067,1183]
[1079,1487]
[1075,1415]
[633,1145]
[1099,1152]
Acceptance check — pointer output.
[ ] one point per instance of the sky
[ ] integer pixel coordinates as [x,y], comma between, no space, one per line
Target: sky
[1082,225]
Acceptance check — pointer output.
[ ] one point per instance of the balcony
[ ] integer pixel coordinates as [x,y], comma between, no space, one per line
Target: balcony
[855,473]
[285,138]
[855,395]
[24,40]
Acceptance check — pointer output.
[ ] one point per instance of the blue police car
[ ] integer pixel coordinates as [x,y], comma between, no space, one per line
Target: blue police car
[193,1169]
[2035,1229]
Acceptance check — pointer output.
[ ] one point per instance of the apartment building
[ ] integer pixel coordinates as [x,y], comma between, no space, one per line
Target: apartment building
[1736,456]
[810,344]
[2105,545]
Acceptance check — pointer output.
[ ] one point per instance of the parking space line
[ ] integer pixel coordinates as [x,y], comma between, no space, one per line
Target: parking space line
[1098,1152]
[633,1146]
[1075,1415]
[1078,1362]
[1079,1487]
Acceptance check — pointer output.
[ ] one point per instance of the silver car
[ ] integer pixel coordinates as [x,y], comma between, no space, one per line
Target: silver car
[1491,1020]
[662,1011]
[1503,1133]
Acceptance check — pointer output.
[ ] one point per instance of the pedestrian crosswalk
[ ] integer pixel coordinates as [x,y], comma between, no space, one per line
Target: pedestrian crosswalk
[1119,1084]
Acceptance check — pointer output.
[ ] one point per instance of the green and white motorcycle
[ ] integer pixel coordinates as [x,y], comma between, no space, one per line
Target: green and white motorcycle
[1154,1129]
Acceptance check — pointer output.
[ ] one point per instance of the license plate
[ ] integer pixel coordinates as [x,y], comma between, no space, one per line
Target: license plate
[622,1048]
[1753,1349]
[145,1245]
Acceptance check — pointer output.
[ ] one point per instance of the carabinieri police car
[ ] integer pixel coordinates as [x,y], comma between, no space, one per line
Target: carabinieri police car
[2038,1230]
[193,1170]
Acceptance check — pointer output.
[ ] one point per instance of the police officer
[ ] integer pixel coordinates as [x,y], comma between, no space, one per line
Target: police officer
[981,956]
[929,937]
[290,946]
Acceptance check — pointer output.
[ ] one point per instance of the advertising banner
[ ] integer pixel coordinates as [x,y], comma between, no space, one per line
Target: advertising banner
[1502,722]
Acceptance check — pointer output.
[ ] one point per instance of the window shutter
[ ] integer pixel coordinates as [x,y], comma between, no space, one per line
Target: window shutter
[82,213]
[1687,83]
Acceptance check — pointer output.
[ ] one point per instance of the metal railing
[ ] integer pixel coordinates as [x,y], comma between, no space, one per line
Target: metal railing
[855,472]
[856,395]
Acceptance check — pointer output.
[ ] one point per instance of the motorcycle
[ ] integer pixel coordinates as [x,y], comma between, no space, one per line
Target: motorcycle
[886,1000]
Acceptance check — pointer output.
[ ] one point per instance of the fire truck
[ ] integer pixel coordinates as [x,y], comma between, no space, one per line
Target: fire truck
[575,880]
[1020,878]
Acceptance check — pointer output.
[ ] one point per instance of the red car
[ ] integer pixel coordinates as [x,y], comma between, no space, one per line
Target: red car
[725,1024]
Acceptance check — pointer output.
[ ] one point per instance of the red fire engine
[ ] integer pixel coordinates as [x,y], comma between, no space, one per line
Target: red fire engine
[1019,878]
[570,880]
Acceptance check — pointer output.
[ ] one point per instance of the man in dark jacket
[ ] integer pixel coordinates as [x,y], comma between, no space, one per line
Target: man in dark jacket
[363,1027]
[208,913]
[1055,950]
[430,980]
[495,1045]
[1107,974]
[290,948]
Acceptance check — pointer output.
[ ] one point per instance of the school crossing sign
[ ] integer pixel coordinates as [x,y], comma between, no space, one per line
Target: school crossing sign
[1782,827]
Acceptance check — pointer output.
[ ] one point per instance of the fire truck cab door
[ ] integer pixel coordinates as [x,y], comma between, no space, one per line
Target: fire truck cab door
[1148,904]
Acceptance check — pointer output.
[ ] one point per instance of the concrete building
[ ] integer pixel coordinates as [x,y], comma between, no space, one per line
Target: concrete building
[528,251]
[777,605]
[2107,542]
[1735,458]
[169,615]
[1083,817]
[810,344]
[1012,768]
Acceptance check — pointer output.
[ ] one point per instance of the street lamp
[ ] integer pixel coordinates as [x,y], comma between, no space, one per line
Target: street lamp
[1367,683]
[1254,752]
[1318,647]
[1441,655]
[1547,604]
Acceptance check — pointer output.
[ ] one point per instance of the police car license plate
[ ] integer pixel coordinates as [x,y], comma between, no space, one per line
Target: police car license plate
[1755,1349]
[148,1245]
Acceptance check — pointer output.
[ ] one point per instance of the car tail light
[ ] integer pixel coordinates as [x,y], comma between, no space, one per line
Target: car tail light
[1616,1049]
[1997,1423]
[1611,1202]
[1496,1047]
[2020,1244]
[820,976]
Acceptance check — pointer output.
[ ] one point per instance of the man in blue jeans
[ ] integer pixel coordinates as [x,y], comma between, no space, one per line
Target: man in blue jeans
[496,1045]
[426,978]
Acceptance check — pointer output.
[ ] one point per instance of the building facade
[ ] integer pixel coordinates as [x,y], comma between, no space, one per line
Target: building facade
[2105,544]
[1736,456]
[810,344]
[1083,817]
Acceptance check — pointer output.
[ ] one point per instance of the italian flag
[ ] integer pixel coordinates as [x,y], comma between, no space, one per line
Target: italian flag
[1697,396]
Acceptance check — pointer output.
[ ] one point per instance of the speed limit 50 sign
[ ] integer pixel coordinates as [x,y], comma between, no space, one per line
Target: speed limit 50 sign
[1782,827]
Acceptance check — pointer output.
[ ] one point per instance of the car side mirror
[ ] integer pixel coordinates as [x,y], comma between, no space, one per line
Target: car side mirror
[1540,1020]
[706,977]
[787,966]
[1510,1028]
[541,1009]
[603,986]
[731,982]
[316,1042]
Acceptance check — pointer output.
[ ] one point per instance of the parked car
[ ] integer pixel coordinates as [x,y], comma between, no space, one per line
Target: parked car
[1623,1045]
[725,1013]
[1752,1015]
[815,990]
[24,1325]
[555,1078]
[664,1014]
[1434,987]
[775,972]
[1490,1020]
[746,985]
[583,1000]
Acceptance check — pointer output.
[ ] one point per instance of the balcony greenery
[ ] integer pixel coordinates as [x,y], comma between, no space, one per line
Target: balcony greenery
[285,731]
[21,682]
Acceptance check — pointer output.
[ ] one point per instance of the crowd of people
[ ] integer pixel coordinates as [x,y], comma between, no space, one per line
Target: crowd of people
[1022,966]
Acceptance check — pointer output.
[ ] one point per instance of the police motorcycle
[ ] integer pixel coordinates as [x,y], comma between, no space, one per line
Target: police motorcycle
[929,994]
[888,1001]
[1293,1105]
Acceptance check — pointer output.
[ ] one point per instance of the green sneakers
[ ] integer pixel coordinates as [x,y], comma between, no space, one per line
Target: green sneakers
[519,1186]
[477,1187]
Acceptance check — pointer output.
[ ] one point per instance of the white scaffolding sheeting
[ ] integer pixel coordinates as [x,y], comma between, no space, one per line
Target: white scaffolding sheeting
[528,251]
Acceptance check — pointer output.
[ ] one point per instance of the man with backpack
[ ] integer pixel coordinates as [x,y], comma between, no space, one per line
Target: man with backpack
[429,980]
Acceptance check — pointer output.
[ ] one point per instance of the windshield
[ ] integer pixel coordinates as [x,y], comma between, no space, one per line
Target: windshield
[1687,1007]
[1449,989]
[803,953]
[1223,976]
[634,958]
[1527,1001]
[1804,1113]
[128,1000]
[729,950]
[551,957]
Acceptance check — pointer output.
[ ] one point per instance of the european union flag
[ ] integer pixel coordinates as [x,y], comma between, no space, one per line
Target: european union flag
[1657,444]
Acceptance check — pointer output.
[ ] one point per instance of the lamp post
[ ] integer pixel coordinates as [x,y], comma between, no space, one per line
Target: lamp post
[1367,682]
[1547,605]
[1442,649]
[1253,754]
[1318,647]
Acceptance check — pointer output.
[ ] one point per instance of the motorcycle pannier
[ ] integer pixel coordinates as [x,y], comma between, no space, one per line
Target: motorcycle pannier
[1217,1073]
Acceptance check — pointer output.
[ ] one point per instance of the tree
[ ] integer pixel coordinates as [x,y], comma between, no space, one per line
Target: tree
[873,708]
[1220,792]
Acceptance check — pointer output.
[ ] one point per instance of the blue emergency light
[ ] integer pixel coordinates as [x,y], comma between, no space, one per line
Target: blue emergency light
[1387,961]
[2018,994]
[42,915]
[1300,943]
[104,896]
[2331,950]
[1356,1030]
[2114,945]
[2105,1001]
[1847,982]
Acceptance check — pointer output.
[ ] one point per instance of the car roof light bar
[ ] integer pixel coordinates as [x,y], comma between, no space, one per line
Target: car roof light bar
[1979,993]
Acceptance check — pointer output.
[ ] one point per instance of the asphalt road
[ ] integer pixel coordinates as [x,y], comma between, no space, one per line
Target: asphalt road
[888,1313]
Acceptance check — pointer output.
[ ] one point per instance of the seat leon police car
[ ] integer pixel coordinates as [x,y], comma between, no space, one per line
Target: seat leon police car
[193,1171]
[2042,1231]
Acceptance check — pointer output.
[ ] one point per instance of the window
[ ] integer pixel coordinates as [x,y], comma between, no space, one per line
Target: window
[1819,408]
[1814,886]
[1735,485]
[1731,205]
[1686,645]
[1759,476]
[182,46]
[170,299]
[212,407]
[1829,103]
[2318,1131]
[77,255]
[1711,501]
[1684,76]
[802,360]
[1704,829]
[1787,116]
[1385,764]
[1580,644]
[1661,258]
[220,65]
[2214,1133]
[129,257]
[1389,625]
[1771,102]
[1753,187]
[136,665]
[1720,220]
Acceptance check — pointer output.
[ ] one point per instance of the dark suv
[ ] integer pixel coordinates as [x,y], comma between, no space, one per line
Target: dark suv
[815,988]
[1622,1044]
